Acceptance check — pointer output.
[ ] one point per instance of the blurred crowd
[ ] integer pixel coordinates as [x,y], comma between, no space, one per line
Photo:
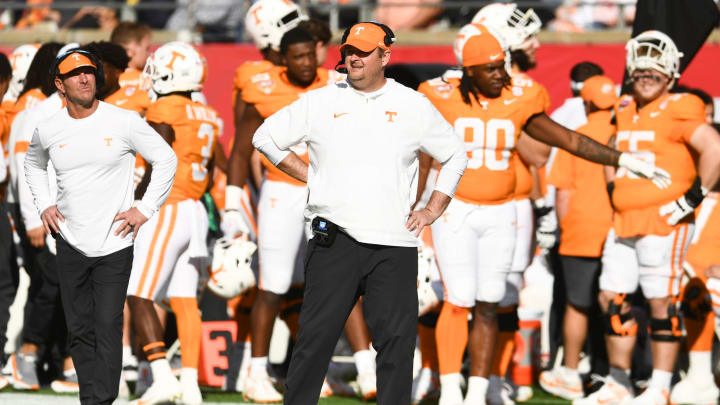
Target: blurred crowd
[221,20]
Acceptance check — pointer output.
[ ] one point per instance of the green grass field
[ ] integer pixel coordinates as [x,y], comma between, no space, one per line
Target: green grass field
[215,396]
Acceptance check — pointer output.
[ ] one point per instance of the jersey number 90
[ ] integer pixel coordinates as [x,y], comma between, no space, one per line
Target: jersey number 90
[487,144]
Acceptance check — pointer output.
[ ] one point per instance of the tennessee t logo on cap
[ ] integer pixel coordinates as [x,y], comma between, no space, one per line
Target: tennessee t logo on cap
[74,61]
[365,37]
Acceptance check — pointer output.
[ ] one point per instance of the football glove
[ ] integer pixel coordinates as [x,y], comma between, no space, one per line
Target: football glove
[684,205]
[644,169]
[233,224]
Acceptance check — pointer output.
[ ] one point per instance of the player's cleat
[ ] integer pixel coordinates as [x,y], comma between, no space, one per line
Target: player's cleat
[190,394]
[24,372]
[653,396]
[334,387]
[68,384]
[694,389]
[144,378]
[367,383]
[261,390]
[561,383]
[611,393]
[425,386]
[450,392]
[123,390]
[499,393]
[160,393]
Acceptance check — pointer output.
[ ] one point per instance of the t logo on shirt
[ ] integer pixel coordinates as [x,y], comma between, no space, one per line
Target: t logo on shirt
[107,141]
[390,115]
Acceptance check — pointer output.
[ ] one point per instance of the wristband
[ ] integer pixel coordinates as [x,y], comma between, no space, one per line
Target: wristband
[233,197]
[696,193]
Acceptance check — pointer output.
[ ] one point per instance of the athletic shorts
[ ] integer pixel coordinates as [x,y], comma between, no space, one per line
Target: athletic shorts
[474,245]
[653,262]
[581,279]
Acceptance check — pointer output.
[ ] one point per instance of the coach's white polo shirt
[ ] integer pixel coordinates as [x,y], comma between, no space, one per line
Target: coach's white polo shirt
[363,150]
[94,159]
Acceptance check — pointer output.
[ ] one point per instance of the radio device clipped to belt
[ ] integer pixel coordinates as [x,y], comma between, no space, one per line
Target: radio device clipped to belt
[324,231]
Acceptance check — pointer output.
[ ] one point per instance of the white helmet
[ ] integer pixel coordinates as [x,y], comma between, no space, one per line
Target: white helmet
[231,274]
[268,20]
[653,50]
[470,30]
[427,299]
[176,66]
[513,25]
[20,60]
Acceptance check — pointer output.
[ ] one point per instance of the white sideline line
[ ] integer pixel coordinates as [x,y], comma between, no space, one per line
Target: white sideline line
[13,398]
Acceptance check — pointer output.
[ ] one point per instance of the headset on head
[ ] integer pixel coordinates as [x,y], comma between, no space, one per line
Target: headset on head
[389,39]
[99,71]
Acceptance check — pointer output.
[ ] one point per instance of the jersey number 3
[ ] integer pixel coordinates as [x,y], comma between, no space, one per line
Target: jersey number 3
[206,133]
[483,142]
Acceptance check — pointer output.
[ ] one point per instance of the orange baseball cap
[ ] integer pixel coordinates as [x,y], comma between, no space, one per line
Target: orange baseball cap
[481,48]
[599,90]
[366,37]
[74,61]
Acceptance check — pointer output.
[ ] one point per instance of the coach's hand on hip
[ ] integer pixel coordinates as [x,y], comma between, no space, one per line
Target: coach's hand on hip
[133,220]
[50,217]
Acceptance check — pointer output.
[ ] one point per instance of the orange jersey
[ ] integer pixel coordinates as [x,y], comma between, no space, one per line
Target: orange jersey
[196,132]
[704,248]
[28,100]
[246,71]
[269,92]
[133,93]
[660,133]
[589,213]
[490,129]
[523,178]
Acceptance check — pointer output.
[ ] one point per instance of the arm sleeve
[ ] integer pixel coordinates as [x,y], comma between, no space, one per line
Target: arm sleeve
[36,175]
[285,128]
[153,148]
[441,143]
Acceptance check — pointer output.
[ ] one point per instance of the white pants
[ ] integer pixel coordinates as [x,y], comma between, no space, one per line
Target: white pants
[654,262]
[282,235]
[474,245]
[170,252]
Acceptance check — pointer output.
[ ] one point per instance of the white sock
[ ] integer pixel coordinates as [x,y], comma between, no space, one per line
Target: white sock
[477,387]
[451,383]
[245,362]
[700,365]
[660,379]
[258,366]
[69,373]
[127,353]
[364,362]
[570,373]
[161,370]
[188,374]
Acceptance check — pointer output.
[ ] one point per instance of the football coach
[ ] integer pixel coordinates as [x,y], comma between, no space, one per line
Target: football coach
[92,147]
[363,136]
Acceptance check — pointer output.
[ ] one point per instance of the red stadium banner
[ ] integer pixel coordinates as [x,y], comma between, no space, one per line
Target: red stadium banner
[553,70]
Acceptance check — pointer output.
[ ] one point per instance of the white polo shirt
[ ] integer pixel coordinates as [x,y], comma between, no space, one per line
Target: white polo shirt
[94,159]
[363,150]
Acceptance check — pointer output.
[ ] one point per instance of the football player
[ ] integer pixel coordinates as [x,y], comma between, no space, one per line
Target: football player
[652,227]
[518,31]
[135,39]
[475,240]
[698,386]
[169,249]
[20,60]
